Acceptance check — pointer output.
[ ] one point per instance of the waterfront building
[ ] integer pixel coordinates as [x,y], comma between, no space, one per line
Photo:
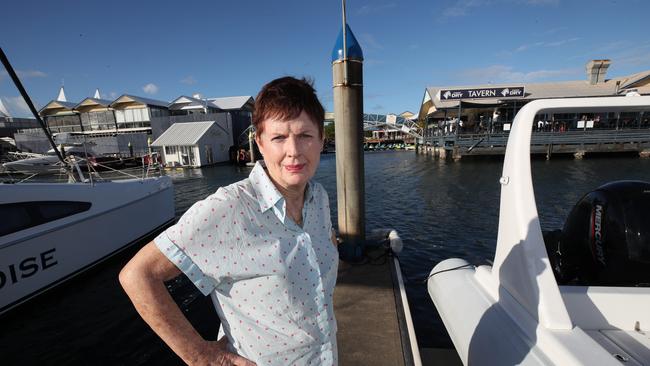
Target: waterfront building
[235,112]
[60,116]
[96,115]
[391,132]
[9,125]
[485,108]
[133,113]
[243,103]
[195,144]
[185,105]
[239,110]
[127,125]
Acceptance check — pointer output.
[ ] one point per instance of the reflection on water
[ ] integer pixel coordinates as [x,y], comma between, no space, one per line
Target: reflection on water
[440,209]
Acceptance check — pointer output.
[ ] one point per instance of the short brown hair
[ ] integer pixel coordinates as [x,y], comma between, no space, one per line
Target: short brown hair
[285,98]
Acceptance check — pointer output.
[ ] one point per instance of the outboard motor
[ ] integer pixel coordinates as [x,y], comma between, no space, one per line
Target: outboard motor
[606,238]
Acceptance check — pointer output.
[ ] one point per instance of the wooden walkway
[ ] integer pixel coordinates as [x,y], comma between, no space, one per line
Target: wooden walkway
[575,142]
[367,313]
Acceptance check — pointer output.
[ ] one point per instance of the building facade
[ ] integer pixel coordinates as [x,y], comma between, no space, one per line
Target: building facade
[480,109]
[128,125]
[194,144]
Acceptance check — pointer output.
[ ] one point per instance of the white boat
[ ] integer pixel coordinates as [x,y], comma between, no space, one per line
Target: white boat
[514,312]
[48,163]
[50,232]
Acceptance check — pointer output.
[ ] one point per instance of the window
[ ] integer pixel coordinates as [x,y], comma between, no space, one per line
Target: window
[23,215]
[119,116]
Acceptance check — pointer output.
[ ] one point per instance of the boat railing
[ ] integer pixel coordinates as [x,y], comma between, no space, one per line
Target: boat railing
[519,228]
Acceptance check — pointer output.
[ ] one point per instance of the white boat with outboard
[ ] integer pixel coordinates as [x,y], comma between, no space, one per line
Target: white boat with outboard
[588,302]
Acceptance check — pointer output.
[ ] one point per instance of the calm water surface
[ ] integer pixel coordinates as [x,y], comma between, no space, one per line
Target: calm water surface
[440,209]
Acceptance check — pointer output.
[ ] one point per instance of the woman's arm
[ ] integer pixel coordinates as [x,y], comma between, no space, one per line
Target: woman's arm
[143,280]
[334,240]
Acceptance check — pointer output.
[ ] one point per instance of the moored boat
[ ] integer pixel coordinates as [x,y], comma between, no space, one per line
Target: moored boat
[50,232]
[514,311]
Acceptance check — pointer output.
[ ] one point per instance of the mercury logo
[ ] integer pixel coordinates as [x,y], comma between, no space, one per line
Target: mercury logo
[598,235]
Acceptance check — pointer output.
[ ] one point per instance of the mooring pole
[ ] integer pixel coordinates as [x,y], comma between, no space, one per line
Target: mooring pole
[347,72]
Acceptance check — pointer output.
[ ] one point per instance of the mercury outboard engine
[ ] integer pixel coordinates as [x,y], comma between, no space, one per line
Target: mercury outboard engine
[606,238]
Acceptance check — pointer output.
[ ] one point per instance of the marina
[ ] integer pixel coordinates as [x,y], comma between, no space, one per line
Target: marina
[502,223]
[53,231]
[450,210]
[545,144]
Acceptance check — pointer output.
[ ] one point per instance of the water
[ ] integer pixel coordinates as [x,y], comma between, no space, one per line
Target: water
[440,209]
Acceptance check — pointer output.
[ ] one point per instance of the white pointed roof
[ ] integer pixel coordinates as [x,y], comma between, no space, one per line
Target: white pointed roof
[97,95]
[61,97]
[3,110]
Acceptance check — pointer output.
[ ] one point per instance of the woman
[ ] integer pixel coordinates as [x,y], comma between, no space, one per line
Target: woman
[261,248]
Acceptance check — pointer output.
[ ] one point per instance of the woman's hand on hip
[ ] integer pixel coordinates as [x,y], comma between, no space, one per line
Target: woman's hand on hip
[217,354]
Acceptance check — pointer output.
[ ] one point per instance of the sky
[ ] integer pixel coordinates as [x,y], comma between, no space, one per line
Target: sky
[165,49]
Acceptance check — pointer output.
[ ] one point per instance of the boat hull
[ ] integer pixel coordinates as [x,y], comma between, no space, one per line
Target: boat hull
[38,258]
[494,329]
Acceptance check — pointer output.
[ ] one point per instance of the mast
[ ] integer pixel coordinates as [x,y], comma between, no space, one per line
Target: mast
[28,100]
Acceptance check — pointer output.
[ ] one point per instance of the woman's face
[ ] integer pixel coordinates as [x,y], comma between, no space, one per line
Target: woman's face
[291,151]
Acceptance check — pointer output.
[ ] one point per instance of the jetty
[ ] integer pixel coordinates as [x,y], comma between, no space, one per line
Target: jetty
[576,142]
[373,317]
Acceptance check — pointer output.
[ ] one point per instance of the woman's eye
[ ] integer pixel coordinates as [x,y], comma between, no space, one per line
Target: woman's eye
[277,138]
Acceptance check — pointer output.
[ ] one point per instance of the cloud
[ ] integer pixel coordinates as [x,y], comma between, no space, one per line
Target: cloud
[188,80]
[31,74]
[561,42]
[464,7]
[369,41]
[637,57]
[371,95]
[541,2]
[526,47]
[150,88]
[369,9]
[555,30]
[24,74]
[622,53]
[112,95]
[373,61]
[16,106]
[502,73]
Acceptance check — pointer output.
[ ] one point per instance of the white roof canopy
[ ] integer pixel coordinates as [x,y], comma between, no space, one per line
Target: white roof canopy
[183,134]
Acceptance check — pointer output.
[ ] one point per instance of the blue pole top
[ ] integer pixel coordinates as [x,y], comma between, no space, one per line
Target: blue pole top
[354,49]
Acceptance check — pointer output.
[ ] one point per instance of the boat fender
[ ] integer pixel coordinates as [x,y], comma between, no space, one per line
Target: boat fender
[395,242]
